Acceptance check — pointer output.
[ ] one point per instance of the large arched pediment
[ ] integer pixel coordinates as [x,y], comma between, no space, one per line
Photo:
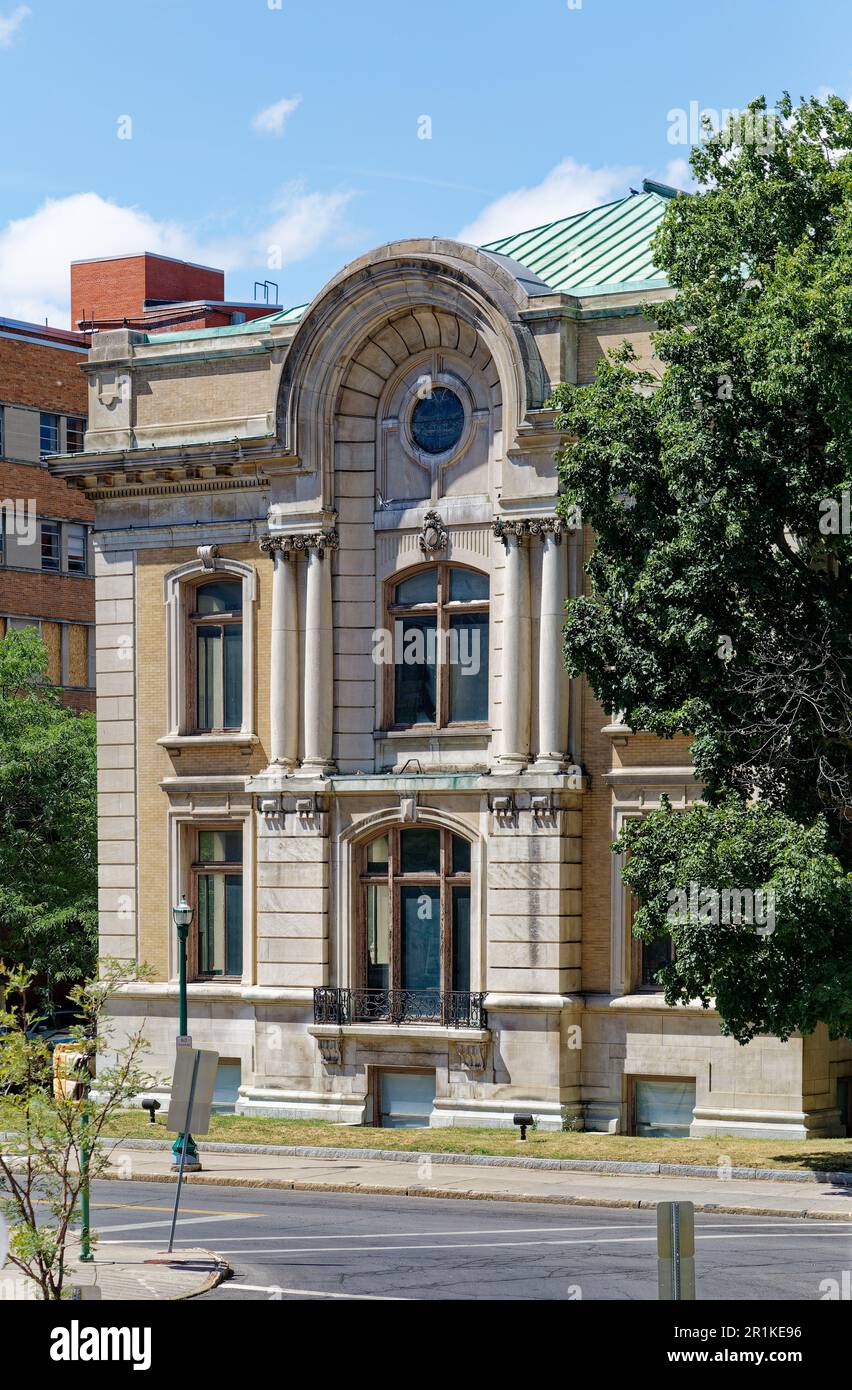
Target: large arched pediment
[441,275]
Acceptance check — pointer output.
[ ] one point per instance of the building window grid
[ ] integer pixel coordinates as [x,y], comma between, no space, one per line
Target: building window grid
[48,434]
[76,539]
[75,429]
[51,546]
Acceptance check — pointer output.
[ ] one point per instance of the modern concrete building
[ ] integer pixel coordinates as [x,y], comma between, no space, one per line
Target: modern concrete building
[330,579]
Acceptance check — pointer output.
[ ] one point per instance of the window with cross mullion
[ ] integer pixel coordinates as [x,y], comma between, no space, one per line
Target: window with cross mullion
[415,919]
[439,618]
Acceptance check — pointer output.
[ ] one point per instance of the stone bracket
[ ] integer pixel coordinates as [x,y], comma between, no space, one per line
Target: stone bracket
[470,1056]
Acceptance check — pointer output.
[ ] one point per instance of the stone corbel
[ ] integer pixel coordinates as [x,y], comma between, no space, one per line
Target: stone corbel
[470,1056]
[408,809]
[541,805]
[331,1050]
[208,555]
[503,808]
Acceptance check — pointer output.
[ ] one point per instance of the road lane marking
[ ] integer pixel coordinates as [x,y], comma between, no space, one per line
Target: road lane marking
[556,1230]
[500,1244]
[311,1293]
[182,1221]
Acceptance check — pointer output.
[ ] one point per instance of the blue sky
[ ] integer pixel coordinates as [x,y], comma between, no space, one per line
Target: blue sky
[537,109]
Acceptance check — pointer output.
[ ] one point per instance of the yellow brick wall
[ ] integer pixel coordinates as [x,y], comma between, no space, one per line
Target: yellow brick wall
[154,761]
[598,337]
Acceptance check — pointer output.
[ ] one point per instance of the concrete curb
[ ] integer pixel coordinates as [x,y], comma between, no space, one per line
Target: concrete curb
[567,1165]
[216,1277]
[547,1199]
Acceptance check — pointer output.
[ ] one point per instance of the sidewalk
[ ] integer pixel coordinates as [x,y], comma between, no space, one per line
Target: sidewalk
[425,1175]
[125,1272]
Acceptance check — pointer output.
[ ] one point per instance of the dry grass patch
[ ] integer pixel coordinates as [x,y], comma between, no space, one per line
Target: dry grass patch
[817,1155]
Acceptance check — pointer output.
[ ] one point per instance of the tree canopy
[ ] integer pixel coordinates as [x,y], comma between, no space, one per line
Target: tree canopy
[716,485]
[48,820]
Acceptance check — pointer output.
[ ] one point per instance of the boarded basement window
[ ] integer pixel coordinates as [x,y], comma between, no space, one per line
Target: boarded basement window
[662,1109]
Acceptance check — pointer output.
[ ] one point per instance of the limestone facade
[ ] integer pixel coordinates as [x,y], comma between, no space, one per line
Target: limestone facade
[281,461]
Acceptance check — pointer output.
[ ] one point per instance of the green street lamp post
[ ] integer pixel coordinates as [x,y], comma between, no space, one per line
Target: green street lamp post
[182,915]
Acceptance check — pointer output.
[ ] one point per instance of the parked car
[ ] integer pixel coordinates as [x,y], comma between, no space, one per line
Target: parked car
[56,1027]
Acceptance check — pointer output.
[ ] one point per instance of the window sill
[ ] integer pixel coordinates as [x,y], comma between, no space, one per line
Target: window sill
[431,731]
[179,741]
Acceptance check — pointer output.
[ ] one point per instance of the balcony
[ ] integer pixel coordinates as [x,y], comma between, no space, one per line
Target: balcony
[449,1009]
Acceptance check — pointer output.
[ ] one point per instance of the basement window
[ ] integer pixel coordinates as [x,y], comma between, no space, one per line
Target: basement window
[662,1108]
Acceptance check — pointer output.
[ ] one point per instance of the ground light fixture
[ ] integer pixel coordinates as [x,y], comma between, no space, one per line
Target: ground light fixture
[524,1122]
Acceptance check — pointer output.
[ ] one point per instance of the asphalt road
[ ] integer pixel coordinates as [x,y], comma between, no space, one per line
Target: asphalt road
[292,1245]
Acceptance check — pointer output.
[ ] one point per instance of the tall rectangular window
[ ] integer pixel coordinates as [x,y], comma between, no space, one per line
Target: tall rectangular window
[218,879]
[50,545]
[48,434]
[76,542]
[439,620]
[75,429]
[417,931]
[218,653]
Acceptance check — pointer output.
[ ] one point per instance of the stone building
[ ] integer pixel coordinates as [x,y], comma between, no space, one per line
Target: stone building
[330,579]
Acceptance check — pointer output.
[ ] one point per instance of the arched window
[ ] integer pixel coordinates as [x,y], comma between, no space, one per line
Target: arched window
[415,914]
[439,621]
[216,620]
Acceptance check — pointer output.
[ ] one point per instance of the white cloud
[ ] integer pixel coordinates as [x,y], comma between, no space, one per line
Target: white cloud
[303,220]
[272,119]
[11,23]
[35,251]
[678,174]
[570,187]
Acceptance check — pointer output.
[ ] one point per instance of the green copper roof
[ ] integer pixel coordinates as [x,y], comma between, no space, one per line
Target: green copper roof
[601,249]
[258,325]
[595,252]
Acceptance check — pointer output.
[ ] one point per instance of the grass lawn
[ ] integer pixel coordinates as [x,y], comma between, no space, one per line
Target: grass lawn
[824,1155]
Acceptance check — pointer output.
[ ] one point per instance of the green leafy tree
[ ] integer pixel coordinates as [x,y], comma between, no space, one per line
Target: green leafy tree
[48,820]
[719,596]
[45,1128]
[781,969]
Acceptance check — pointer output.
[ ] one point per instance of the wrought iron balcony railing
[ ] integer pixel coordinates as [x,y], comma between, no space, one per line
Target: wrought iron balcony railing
[451,1009]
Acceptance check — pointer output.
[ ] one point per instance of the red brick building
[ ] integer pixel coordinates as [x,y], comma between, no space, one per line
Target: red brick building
[45,539]
[45,526]
[154,292]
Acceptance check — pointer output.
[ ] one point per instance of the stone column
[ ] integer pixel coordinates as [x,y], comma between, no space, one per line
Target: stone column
[284,656]
[552,677]
[319,656]
[515,747]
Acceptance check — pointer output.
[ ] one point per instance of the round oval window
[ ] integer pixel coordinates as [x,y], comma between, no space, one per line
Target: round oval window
[437,421]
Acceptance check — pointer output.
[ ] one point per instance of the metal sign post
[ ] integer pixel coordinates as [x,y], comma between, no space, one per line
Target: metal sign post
[192,1096]
[676,1251]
